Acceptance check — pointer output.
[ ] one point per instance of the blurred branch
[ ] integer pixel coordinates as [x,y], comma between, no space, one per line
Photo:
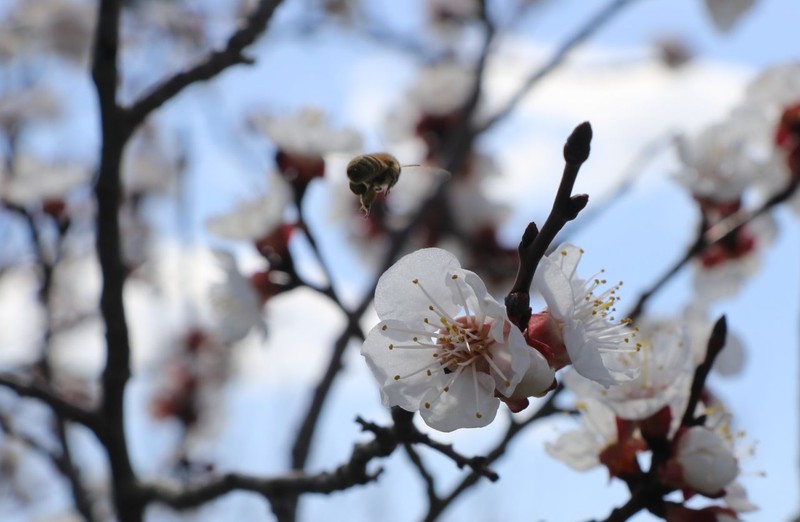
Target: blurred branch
[212,65]
[534,242]
[718,232]
[108,193]
[430,485]
[716,343]
[634,504]
[63,463]
[591,26]
[83,503]
[277,489]
[70,411]
[405,432]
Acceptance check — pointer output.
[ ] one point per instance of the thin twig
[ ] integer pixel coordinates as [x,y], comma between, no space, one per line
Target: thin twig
[62,462]
[715,345]
[211,66]
[351,473]
[405,432]
[718,232]
[535,242]
[548,408]
[430,484]
[70,411]
[591,26]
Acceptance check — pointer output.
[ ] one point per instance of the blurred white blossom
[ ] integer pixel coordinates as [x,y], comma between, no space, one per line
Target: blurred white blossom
[306,133]
[665,376]
[706,460]
[257,218]
[32,182]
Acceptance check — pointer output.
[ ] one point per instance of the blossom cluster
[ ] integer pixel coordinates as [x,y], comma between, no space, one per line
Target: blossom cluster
[747,158]
[445,346]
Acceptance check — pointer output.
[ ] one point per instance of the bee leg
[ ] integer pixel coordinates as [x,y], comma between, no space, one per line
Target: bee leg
[358,188]
[367,198]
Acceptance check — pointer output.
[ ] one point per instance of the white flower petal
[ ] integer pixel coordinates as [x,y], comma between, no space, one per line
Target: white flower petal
[469,403]
[397,296]
[706,460]
[404,359]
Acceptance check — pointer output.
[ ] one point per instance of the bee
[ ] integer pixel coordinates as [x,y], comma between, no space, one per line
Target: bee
[371,174]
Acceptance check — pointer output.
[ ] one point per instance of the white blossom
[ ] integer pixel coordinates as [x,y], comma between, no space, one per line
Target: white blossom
[442,88]
[724,159]
[580,449]
[254,219]
[33,182]
[306,133]
[665,376]
[444,346]
[706,460]
[591,338]
[736,498]
[235,302]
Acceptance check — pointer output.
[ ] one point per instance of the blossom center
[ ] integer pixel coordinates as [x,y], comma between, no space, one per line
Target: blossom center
[463,342]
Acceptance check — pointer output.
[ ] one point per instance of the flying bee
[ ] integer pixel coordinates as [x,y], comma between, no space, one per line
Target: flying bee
[371,174]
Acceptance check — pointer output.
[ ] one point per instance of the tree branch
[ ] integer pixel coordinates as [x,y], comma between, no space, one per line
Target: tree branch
[715,345]
[534,242]
[548,408]
[276,489]
[57,404]
[718,232]
[591,26]
[212,65]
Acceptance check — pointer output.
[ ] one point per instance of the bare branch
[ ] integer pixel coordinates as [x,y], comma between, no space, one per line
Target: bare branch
[405,432]
[62,407]
[212,65]
[715,345]
[718,232]
[352,473]
[534,242]
[591,26]
[548,408]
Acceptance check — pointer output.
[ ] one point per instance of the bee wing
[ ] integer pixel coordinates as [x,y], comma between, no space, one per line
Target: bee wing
[428,171]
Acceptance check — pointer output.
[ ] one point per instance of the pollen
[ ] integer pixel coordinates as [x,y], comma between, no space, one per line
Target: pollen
[415,281]
[396,377]
[384,328]
[391,347]
[446,389]
[428,405]
[478,415]
[454,276]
